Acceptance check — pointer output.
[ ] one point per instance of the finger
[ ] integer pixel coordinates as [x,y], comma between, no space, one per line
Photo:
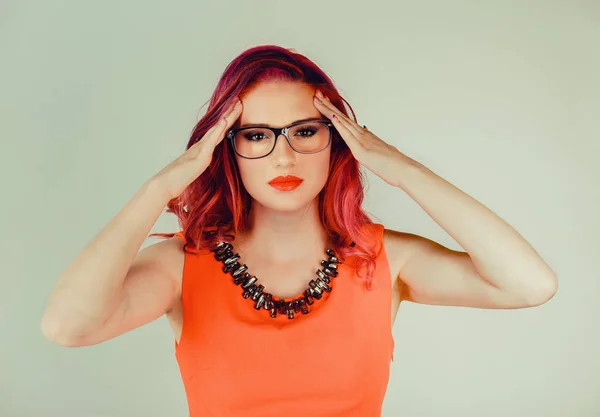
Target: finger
[227,120]
[347,135]
[328,109]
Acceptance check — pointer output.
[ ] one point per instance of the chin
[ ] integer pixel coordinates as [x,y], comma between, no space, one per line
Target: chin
[285,200]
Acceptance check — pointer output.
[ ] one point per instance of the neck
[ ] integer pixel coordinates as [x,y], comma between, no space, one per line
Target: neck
[284,236]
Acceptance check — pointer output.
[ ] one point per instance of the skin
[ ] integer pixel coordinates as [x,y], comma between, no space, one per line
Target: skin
[506,275]
[285,228]
[499,268]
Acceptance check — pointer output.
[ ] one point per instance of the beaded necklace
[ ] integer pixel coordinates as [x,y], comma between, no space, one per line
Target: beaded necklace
[224,253]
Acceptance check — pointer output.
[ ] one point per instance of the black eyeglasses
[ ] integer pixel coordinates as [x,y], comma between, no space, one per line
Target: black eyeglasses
[310,136]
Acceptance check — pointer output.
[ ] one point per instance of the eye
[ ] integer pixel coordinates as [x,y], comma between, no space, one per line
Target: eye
[305,132]
[252,136]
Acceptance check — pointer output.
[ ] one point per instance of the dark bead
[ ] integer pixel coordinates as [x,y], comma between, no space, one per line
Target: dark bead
[290,310]
[330,252]
[303,306]
[231,259]
[260,301]
[224,248]
[309,297]
[314,286]
[231,267]
[329,265]
[257,293]
[323,285]
[330,272]
[224,255]
[217,246]
[281,306]
[239,271]
[334,259]
[316,291]
[268,301]
[249,291]
[273,312]
[249,281]
[241,279]
[296,306]
[324,277]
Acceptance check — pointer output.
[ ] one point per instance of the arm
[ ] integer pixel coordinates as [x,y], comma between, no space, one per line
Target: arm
[499,269]
[103,292]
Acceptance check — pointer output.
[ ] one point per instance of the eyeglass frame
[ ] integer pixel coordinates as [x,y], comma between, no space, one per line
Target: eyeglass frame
[278,132]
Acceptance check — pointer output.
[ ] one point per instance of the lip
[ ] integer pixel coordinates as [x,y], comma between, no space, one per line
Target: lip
[286,183]
[286,179]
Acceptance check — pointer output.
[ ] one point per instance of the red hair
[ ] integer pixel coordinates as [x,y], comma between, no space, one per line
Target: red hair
[216,206]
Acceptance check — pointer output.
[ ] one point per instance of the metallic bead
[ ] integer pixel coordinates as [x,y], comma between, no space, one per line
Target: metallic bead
[330,272]
[296,305]
[231,267]
[224,255]
[281,306]
[329,265]
[322,275]
[241,279]
[249,291]
[290,310]
[257,293]
[308,297]
[260,301]
[268,301]
[217,246]
[224,248]
[273,312]
[303,306]
[330,252]
[323,285]
[334,259]
[316,291]
[249,281]
[239,271]
[231,259]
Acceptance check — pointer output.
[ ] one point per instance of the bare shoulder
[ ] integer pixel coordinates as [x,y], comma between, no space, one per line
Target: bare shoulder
[398,245]
[169,255]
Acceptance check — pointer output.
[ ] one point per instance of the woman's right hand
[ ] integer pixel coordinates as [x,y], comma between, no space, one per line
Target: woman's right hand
[175,177]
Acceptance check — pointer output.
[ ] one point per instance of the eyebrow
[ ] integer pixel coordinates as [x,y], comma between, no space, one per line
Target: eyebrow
[310,119]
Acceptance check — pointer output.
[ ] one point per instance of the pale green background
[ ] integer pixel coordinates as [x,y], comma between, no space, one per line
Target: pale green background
[501,98]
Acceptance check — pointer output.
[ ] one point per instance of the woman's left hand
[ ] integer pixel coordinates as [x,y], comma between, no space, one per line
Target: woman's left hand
[369,150]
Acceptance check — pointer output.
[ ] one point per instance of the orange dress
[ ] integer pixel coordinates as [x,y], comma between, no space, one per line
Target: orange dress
[238,361]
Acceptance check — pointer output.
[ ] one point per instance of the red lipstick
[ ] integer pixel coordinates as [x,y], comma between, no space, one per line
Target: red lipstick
[286,182]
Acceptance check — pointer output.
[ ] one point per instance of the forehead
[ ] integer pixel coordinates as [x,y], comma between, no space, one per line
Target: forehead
[277,103]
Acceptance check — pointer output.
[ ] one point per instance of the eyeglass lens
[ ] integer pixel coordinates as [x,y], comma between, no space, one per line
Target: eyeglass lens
[309,137]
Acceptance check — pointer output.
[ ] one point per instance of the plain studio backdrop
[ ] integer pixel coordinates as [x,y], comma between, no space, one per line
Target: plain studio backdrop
[501,98]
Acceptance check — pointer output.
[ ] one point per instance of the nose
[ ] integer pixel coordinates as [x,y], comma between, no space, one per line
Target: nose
[283,154]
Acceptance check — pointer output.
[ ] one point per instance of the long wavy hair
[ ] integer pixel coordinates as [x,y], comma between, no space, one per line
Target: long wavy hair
[216,205]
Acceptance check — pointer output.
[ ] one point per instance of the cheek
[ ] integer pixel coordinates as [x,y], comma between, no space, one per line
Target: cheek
[321,168]
[316,172]
[250,172]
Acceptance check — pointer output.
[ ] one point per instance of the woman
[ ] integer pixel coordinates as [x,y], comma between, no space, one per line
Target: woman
[275,210]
